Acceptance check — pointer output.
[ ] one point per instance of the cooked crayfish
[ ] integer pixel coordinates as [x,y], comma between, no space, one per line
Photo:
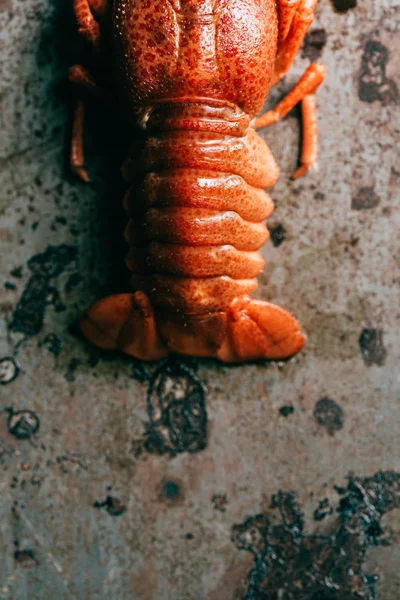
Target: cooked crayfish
[194,74]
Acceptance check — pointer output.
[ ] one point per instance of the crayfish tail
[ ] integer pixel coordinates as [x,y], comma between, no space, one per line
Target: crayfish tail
[259,330]
[124,322]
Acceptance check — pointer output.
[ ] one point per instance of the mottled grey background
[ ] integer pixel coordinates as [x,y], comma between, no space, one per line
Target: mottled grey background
[335,264]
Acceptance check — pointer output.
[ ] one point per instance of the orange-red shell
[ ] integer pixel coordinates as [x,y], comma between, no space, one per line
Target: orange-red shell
[219,49]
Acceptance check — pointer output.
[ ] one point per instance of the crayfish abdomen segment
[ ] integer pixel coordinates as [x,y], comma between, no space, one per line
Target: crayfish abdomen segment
[195,228]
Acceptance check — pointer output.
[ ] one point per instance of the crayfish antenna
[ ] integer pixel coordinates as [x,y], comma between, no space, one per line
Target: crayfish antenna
[124,322]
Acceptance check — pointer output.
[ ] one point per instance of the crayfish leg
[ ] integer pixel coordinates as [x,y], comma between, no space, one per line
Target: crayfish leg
[304,92]
[124,322]
[77,156]
[259,330]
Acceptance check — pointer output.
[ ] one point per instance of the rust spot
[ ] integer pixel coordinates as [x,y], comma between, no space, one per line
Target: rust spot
[23,424]
[5,5]
[278,234]
[373,83]
[342,6]
[372,349]
[220,502]
[113,506]
[292,565]
[329,414]
[314,43]
[364,199]
[9,370]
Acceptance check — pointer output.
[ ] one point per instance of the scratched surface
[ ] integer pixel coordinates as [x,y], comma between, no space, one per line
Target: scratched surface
[124,482]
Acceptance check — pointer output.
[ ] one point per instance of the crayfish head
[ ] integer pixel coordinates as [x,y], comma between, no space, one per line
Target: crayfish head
[186,49]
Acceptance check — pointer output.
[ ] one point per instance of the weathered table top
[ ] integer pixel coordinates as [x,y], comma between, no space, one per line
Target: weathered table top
[93,503]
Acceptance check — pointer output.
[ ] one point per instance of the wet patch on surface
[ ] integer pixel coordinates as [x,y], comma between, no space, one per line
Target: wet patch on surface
[371,346]
[373,83]
[329,414]
[38,293]
[177,411]
[364,199]
[342,6]
[314,43]
[23,424]
[112,505]
[9,370]
[293,565]
[278,234]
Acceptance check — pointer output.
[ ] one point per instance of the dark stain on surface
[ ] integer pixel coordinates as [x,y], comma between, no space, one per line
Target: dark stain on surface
[71,369]
[278,235]
[71,461]
[177,411]
[314,43]
[319,196]
[342,6]
[10,286]
[171,492]
[23,424]
[9,370]
[325,509]
[373,83]
[74,280]
[219,502]
[364,199]
[371,346]
[25,558]
[17,272]
[138,371]
[52,343]
[329,414]
[290,564]
[285,411]
[113,506]
[38,293]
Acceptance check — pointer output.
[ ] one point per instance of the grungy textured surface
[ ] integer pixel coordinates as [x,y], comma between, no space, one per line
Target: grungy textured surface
[108,492]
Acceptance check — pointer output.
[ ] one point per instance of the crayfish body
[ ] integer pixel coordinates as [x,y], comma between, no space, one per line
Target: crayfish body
[194,74]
